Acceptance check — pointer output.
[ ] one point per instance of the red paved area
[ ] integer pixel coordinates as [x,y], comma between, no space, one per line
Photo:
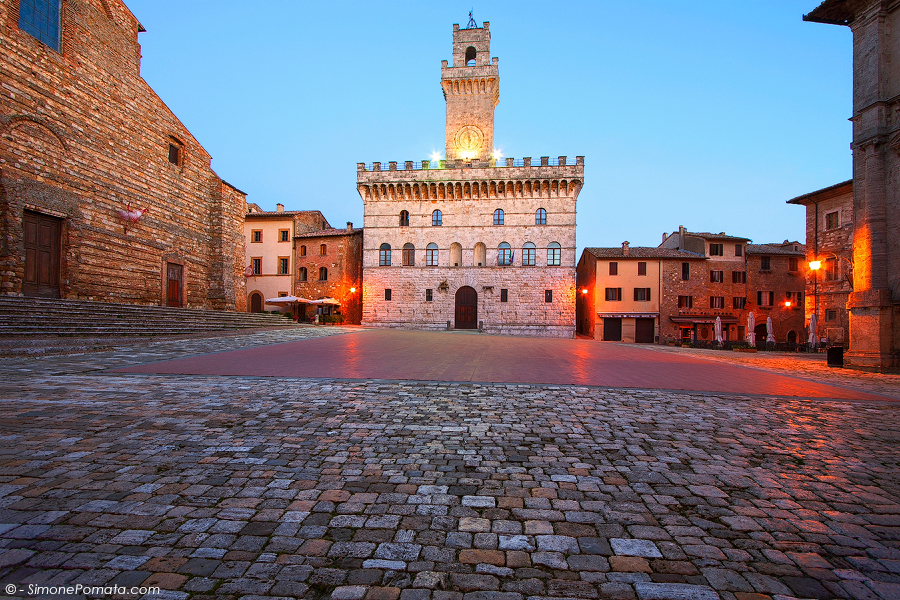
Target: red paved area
[428,356]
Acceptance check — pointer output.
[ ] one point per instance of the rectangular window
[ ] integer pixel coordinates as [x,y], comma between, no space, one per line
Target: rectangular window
[738,250]
[257,266]
[831,270]
[685,271]
[302,250]
[642,268]
[764,298]
[831,314]
[40,19]
[716,276]
[504,295]
[832,220]
[284,235]
[613,268]
[431,257]
[793,264]
[409,256]
[717,301]
[738,303]
[548,295]
[613,294]
[717,249]
[323,249]
[739,277]
[528,256]
[283,266]
[387,294]
[174,154]
[685,301]
[428,295]
[256,236]
[642,294]
[765,263]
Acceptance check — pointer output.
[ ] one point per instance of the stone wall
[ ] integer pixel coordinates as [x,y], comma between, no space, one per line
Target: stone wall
[343,259]
[82,136]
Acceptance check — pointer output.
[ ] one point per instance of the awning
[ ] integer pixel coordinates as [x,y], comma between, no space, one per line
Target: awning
[324,301]
[627,315]
[286,300]
[726,320]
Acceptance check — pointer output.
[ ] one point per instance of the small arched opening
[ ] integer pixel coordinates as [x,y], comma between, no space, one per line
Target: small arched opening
[470,56]
[256,302]
[455,254]
[480,255]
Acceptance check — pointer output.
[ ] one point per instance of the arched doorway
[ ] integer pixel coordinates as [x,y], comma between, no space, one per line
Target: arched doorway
[466,308]
[792,337]
[761,334]
[256,301]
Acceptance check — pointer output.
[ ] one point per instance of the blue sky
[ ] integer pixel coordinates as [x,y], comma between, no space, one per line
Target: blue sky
[707,114]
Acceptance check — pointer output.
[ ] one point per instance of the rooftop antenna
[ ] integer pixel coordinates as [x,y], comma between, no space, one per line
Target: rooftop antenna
[471,24]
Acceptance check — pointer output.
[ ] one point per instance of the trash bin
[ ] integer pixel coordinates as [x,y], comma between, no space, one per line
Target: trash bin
[836,356]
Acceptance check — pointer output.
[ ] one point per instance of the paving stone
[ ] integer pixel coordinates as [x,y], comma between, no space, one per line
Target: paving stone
[674,591]
[632,547]
[349,592]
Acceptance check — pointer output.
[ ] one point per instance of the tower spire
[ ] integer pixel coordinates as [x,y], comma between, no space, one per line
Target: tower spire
[471,24]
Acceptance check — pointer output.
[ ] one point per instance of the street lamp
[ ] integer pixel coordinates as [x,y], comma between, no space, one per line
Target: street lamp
[815,265]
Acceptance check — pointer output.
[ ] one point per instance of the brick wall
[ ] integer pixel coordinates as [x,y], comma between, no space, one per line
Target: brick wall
[343,259]
[82,135]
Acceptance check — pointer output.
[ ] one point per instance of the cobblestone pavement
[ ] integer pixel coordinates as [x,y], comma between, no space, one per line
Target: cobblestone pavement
[243,487]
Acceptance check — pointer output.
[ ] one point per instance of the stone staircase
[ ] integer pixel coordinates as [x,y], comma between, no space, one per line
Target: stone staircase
[31,322]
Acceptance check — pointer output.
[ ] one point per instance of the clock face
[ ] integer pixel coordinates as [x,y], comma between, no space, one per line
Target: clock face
[469,139]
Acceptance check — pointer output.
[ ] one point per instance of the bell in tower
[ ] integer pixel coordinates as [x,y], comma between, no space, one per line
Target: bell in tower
[472,90]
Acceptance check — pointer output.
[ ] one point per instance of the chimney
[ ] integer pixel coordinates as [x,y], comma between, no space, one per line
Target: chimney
[279,207]
[349,225]
[681,237]
[665,235]
[625,249]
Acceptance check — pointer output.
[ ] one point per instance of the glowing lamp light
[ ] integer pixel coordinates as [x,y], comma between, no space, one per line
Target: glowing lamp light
[815,265]
[353,290]
[787,303]
[584,291]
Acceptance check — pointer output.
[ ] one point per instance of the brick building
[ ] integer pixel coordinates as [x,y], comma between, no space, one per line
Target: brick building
[776,281]
[620,291]
[269,249]
[329,265]
[874,301]
[474,241]
[86,145]
[829,240]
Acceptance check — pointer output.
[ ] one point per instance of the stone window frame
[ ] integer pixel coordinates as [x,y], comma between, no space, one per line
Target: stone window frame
[429,295]
[302,274]
[384,255]
[437,218]
[256,236]
[284,265]
[831,314]
[832,220]
[529,254]
[499,217]
[504,295]
[432,255]
[175,149]
[407,255]
[323,273]
[554,254]
[323,249]
[504,254]
[404,218]
[540,216]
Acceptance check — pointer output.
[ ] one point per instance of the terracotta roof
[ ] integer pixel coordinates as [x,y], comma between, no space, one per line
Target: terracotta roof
[811,196]
[643,252]
[835,12]
[777,249]
[713,236]
[328,232]
[283,213]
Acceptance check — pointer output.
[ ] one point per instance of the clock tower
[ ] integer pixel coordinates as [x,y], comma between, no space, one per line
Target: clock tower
[472,90]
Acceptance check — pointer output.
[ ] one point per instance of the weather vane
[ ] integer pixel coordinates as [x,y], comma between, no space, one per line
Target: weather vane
[472,24]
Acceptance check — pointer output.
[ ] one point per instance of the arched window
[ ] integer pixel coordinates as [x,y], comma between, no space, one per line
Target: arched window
[302,250]
[498,216]
[504,254]
[553,255]
[455,254]
[404,218]
[302,275]
[480,256]
[437,219]
[384,255]
[323,249]
[323,274]
[409,255]
[540,217]
[528,252]
[431,255]
[470,56]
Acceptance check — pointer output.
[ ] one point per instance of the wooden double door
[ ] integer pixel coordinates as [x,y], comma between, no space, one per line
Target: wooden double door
[43,251]
[466,308]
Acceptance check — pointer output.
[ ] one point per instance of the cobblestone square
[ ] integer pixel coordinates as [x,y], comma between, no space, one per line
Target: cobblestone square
[228,486]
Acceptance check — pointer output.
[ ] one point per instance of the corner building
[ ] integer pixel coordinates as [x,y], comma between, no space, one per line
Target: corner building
[473,241]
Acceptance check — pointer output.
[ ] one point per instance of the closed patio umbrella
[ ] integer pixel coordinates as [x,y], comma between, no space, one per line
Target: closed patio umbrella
[813,338]
[751,326]
[719,339]
[770,337]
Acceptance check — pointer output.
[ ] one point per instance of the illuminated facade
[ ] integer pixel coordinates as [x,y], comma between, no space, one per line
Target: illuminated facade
[875,300]
[473,241]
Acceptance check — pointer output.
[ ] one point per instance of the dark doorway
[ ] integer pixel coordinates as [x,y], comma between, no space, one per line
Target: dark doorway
[761,333]
[687,335]
[174,284]
[42,255]
[612,330]
[643,331]
[256,302]
[466,308]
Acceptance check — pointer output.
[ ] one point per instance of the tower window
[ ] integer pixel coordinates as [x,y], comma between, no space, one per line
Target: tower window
[384,255]
[553,254]
[504,254]
[470,56]
[498,216]
[431,255]
[409,255]
[540,217]
[174,154]
[437,219]
[40,19]
[528,253]
[404,218]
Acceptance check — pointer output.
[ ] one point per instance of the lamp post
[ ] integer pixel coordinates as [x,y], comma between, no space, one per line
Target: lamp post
[815,265]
